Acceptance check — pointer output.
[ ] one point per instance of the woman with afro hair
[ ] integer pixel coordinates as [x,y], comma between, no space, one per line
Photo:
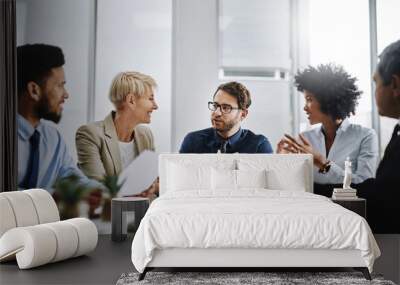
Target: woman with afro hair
[331,96]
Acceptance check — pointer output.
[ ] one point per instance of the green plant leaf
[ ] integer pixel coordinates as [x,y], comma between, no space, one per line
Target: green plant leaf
[111,184]
[70,190]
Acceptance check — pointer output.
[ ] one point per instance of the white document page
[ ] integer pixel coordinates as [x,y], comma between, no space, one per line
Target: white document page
[140,174]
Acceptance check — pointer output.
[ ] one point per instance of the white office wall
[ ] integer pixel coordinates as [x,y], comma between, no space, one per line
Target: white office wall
[257,36]
[65,24]
[135,35]
[270,112]
[195,66]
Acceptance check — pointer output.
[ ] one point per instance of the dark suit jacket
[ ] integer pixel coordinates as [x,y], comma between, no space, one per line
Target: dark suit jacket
[383,192]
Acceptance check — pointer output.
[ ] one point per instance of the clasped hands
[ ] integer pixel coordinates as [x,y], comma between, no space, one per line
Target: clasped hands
[289,144]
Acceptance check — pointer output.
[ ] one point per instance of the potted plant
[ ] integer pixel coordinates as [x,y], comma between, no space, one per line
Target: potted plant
[68,193]
[111,184]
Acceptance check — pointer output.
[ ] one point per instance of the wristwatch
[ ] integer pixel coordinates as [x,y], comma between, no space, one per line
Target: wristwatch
[325,168]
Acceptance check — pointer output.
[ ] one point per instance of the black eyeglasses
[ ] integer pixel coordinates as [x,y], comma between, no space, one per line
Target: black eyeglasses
[225,108]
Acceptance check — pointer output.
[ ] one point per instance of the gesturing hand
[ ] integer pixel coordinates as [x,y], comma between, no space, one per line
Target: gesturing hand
[290,145]
[282,147]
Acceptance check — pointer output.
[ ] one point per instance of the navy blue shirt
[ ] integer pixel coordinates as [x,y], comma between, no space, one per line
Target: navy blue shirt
[208,141]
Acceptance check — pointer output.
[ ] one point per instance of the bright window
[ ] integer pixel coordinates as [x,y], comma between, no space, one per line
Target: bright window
[339,33]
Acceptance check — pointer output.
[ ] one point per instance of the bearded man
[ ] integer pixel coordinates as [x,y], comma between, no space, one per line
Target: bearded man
[43,156]
[228,109]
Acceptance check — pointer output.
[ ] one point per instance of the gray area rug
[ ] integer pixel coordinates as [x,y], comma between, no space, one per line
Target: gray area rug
[274,278]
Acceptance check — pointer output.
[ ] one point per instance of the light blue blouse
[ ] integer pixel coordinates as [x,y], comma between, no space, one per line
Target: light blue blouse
[354,141]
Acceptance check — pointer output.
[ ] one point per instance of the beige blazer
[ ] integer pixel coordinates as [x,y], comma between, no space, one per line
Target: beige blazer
[98,150]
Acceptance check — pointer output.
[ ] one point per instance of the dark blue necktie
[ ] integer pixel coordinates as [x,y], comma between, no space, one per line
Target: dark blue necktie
[32,171]
[223,146]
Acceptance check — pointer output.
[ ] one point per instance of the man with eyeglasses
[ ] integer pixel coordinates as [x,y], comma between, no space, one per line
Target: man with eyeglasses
[228,109]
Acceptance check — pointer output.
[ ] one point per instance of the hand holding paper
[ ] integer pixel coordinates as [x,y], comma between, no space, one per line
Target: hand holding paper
[140,174]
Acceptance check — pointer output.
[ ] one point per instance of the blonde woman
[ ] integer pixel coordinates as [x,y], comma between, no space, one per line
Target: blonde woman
[107,147]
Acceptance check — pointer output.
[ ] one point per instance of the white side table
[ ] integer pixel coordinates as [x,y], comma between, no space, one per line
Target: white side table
[119,207]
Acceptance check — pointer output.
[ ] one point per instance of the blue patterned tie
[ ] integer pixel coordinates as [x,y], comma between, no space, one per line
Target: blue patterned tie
[32,171]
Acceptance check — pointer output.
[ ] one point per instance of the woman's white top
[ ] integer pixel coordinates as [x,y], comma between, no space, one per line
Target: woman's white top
[354,141]
[127,151]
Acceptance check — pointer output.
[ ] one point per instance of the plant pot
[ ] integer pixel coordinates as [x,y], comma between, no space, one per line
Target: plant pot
[69,211]
[106,212]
